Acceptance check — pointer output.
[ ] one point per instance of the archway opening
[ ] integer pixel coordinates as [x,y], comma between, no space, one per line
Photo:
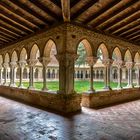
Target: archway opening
[82,69]
[52,70]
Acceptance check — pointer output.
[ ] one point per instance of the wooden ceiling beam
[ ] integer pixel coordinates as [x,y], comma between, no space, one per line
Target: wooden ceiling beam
[114,28]
[127,29]
[30,11]
[110,5]
[133,33]
[3,6]
[57,2]
[74,2]
[84,8]
[65,4]
[135,37]
[115,13]
[6,31]
[45,9]
[6,38]
[7,35]
[17,22]
[15,25]
[10,30]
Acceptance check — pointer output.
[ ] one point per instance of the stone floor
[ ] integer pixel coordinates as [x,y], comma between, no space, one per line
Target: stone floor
[22,122]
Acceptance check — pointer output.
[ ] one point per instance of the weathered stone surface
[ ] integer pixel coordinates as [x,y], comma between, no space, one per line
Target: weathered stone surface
[59,102]
[102,98]
[23,122]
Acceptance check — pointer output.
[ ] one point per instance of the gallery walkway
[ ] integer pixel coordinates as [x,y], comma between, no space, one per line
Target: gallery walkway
[19,121]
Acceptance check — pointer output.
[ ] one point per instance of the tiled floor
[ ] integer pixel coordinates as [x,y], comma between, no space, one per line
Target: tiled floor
[23,122]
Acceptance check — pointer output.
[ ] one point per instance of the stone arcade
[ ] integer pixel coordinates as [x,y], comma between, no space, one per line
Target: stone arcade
[65,37]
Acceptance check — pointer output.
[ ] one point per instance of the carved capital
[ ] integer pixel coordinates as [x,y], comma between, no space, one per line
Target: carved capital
[67,59]
[13,64]
[5,65]
[22,64]
[119,63]
[107,62]
[91,60]
[32,62]
[129,65]
[137,65]
[45,61]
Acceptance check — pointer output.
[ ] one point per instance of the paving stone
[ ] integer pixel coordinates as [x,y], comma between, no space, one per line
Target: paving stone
[22,122]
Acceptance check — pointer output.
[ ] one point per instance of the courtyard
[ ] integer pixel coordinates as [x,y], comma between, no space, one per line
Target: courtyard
[80,86]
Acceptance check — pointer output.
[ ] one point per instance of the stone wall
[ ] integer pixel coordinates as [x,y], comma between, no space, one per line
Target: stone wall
[58,102]
[104,98]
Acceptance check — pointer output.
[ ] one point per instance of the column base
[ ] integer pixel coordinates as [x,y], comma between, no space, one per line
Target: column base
[31,88]
[137,86]
[107,88]
[90,91]
[119,87]
[44,89]
[12,85]
[129,86]
[21,86]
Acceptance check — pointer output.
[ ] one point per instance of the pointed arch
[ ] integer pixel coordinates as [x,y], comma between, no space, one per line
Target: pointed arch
[87,46]
[102,47]
[116,55]
[35,53]
[14,57]
[128,56]
[23,54]
[1,59]
[48,47]
[6,58]
[137,58]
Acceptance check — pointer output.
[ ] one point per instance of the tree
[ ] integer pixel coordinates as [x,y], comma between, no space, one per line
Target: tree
[82,55]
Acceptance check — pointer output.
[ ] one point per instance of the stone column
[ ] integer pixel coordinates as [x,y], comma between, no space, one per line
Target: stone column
[107,63]
[91,62]
[66,72]
[119,65]
[13,65]
[21,66]
[45,61]
[31,63]
[129,66]
[138,74]
[0,74]
[5,65]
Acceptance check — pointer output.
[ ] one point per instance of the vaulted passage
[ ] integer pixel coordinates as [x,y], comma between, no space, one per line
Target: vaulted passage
[19,121]
[65,55]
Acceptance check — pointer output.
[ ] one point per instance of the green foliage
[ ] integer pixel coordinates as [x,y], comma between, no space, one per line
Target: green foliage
[80,86]
[82,55]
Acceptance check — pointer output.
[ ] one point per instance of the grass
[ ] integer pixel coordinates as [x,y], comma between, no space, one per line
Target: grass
[80,86]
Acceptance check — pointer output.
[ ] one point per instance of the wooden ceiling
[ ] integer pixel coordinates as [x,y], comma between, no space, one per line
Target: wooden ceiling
[21,18]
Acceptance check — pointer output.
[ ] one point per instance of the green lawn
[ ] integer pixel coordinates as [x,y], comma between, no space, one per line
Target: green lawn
[80,86]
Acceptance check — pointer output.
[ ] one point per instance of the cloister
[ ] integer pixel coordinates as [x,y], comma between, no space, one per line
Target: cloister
[70,44]
[37,51]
